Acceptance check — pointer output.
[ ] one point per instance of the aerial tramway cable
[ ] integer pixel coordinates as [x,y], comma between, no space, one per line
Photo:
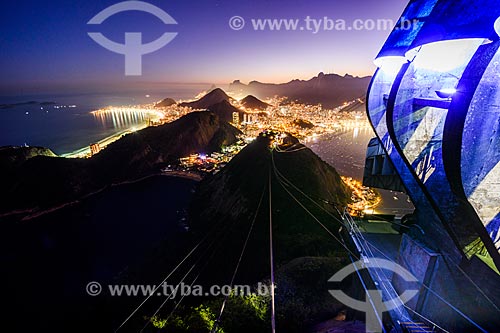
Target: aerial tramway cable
[216,324]
[271,256]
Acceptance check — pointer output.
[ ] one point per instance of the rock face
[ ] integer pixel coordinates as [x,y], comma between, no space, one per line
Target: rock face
[213,97]
[136,154]
[252,102]
[231,198]
[228,202]
[44,181]
[166,103]
[330,90]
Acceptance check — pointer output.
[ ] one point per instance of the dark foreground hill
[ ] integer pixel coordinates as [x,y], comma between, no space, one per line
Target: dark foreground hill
[44,181]
[330,90]
[232,195]
[73,241]
[221,214]
[224,207]
[11,157]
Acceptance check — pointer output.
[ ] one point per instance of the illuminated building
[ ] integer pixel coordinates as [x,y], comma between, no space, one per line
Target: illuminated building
[434,103]
[95,148]
[236,119]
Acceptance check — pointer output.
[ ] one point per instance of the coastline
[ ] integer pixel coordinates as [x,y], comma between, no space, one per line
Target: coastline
[85,151]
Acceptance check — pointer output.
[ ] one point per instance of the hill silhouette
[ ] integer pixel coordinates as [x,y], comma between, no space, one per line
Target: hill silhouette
[252,102]
[213,97]
[11,157]
[223,208]
[232,195]
[166,103]
[302,123]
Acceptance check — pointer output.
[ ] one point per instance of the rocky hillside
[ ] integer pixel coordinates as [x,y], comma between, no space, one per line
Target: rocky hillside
[224,208]
[231,197]
[252,102]
[215,96]
[141,152]
[45,181]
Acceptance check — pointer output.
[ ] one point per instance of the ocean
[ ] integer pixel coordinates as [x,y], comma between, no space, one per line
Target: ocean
[345,150]
[47,262]
[65,129]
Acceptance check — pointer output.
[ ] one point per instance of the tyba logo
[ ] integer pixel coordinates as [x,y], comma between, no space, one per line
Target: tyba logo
[133,49]
[374,306]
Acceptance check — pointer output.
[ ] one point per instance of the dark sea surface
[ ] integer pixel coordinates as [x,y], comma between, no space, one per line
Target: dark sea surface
[65,129]
[345,150]
[48,261]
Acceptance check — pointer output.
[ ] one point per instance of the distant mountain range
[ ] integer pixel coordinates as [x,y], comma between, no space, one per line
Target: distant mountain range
[219,103]
[330,90]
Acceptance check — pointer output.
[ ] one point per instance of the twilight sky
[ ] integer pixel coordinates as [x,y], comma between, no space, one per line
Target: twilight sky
[45,43]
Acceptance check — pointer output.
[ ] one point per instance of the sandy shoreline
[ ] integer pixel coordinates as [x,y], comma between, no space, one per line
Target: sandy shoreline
[85,151]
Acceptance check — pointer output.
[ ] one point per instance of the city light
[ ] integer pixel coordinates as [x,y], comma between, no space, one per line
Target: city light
[364,199]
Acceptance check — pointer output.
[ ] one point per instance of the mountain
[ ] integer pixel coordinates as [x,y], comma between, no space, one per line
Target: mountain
[213,97]
[42,182]
[166,103]
[232,195]
[154,147]
[330,90]
[225,110]
[226,206]
[252,102]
